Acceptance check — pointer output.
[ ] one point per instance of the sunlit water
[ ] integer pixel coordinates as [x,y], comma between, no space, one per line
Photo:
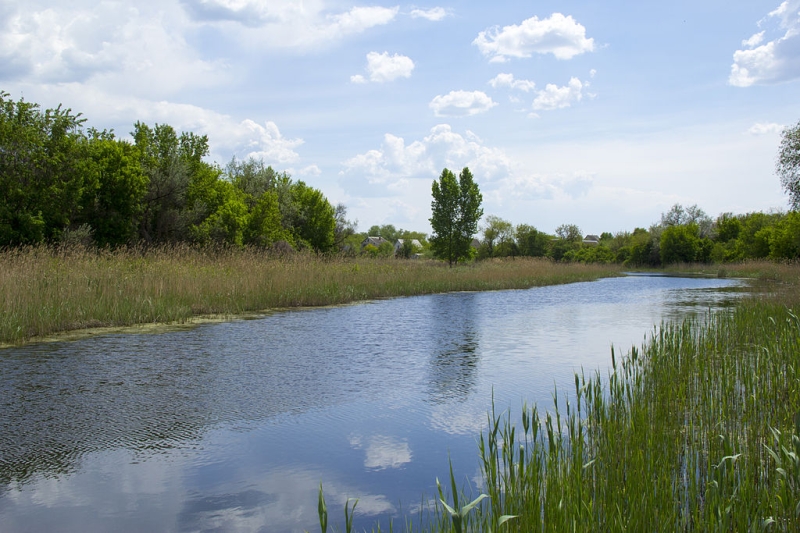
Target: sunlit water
[233,426]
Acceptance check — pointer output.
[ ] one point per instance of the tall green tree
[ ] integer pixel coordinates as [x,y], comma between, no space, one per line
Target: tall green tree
[314,218]
[43,175]
[532,242]
[498,237]
[455,212]
[683,244]
[114,207]
[788,164]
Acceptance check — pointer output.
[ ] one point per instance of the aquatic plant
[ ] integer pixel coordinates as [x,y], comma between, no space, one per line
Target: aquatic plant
[697,430]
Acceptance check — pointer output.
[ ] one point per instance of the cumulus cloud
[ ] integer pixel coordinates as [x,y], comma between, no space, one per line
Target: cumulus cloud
[527,187]
[266,142]
[555,97]
[776,60]
[138,49]
[383,67]
[765,128]
[288,23]
[247,12]
[434,14]
[558,35]
[227,136]
[507,80]
[461,104]
[386,171]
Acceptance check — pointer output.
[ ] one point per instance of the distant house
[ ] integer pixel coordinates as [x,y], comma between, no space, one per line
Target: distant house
[374,241]
[414,242]
[591,240]
[416,247]
[475,243]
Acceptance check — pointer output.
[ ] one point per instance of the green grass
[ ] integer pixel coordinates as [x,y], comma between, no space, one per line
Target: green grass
[45,291]
[696,431]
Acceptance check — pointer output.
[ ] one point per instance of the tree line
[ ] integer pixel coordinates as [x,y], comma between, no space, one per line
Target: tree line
[61,182]
[683,235]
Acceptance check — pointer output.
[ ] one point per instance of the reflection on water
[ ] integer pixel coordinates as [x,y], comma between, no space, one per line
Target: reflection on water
[232,427]
[455,357]
[382,451]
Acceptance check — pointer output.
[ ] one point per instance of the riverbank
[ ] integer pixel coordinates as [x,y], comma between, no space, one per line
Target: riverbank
[45,292]
[699,430]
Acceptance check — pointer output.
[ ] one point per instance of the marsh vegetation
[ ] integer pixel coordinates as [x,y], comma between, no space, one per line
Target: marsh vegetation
[48,290]
[697,430]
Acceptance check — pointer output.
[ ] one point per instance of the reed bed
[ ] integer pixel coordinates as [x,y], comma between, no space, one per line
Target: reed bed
[45,291]
[697,430]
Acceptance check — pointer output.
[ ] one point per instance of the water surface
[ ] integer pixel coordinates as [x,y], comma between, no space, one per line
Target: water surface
[232,426]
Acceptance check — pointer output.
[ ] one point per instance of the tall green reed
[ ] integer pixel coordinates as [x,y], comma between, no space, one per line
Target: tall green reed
[697,430]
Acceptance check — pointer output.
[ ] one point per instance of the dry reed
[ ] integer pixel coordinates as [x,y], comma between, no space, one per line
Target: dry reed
[45,291]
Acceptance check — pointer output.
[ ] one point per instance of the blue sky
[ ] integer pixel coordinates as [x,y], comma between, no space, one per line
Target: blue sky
[600,114]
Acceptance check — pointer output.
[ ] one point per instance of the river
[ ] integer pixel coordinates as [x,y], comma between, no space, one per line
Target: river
[232,426]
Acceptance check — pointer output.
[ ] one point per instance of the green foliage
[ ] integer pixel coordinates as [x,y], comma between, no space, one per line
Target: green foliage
[532,242]
[408,249]
[114,207]
[344,228]
[229,219]
[569,232]
[498,238]
[314,221]
[386,249]
[727,227]
[252,176]
[455,212]
[787,166]
[784,239]
[591,254]
[754,235]
[43,175]
[387,231]
[264,225]
[680,244]
[169,171]
[680,216]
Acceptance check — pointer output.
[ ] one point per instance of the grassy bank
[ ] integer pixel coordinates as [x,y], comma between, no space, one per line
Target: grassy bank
[45,291]
[696,431]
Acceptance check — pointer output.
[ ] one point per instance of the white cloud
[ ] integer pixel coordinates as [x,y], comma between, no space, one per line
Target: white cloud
[754,41]
[765,128]
[267,143]
[287,23]
[311,170]
[227,136]
[383,67]
[461,104]
[140,50]
[558,35]
[507,80]
[387,171]
[433,14]
[531,187]
[774,61]
[555,97]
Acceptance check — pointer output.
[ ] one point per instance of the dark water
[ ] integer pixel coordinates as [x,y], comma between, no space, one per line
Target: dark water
[232,426]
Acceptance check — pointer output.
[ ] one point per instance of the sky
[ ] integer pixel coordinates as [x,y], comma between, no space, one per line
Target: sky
[600,114]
